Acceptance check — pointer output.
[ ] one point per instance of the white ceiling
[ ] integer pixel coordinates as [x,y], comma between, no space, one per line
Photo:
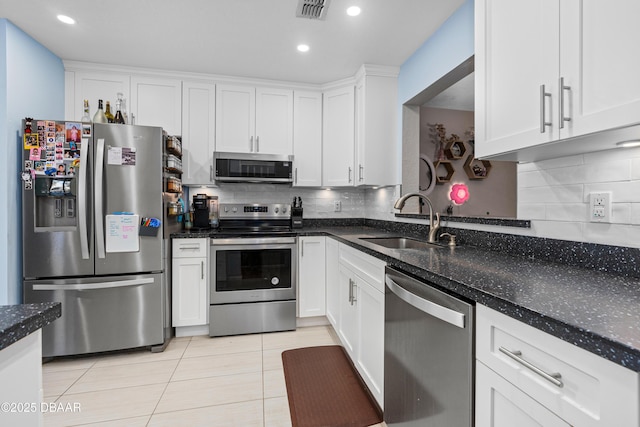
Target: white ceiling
[248,38]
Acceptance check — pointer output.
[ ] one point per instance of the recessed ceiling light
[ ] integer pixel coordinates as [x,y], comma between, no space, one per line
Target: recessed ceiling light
[353,11]
[66,19]
[631,143]
[303,48]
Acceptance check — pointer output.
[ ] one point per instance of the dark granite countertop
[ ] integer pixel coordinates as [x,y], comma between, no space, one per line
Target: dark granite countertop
[18,321]
[595,310]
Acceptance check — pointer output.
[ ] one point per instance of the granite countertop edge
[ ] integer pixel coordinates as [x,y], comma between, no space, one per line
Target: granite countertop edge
[579,333]
[20,320]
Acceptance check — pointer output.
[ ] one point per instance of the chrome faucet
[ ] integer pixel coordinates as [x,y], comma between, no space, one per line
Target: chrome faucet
[433,225]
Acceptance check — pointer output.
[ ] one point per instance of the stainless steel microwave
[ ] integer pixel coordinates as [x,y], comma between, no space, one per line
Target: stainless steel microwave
[253,167]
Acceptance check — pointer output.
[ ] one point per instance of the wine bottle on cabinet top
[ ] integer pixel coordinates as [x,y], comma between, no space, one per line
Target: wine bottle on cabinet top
[99,116]
[119,118]
[107,113]
[85,117]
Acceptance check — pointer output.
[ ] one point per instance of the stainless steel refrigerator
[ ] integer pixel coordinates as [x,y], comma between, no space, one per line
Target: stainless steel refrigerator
[93,234]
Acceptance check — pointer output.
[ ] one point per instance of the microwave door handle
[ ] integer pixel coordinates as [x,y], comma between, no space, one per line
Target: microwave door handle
[82,198]
[99,200]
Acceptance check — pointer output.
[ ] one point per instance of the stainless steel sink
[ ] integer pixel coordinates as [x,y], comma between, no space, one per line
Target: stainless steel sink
[400,243]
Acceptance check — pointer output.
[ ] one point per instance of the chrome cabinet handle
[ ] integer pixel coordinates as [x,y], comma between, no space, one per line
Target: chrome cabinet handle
[295,174]
[202,269]
[301,249]
[210,173]
[563,88]
[553,378]
[353,294]
[257,144]
[543,110]
[350,170]
[251,144]
[350,291]
[360,178]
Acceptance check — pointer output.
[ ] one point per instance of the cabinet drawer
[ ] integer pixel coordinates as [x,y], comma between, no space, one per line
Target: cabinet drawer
[369,268]
[190,248]
[590,391]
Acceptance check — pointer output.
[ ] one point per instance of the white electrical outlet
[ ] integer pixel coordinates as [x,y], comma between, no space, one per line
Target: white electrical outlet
[337,205]
[600,207]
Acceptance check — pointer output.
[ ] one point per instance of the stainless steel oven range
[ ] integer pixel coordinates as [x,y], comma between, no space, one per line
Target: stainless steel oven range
[252,271]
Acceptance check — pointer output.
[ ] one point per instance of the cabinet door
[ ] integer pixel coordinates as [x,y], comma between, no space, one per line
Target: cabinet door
[307,139]
[157,102]
[517,51]
[338,137]
[603,89]
[333,282]
[94,86]
[370,360]
[189,291]
[198,132]
[311,276]
[348,326]
[274,121]
[235,118]
[376,131]
[500,404]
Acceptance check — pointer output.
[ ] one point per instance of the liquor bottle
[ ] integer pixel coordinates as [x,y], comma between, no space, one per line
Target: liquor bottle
[108,114]
[119,118]
[99,116]
[123,107]
[85,117]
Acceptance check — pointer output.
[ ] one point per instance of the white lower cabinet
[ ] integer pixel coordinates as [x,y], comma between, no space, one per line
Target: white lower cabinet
[332,262]
[311,276]
[527,377]
[501,404]
[361,315]
[190,291]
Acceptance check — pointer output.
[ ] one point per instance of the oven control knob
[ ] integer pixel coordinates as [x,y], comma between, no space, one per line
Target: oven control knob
[276,209]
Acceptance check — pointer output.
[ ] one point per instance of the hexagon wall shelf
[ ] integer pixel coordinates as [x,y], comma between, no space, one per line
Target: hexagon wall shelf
[444,171]
[477,169]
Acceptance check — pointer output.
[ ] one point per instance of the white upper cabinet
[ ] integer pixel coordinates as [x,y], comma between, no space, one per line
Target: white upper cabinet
[254,120]
[548,70]
[376,126]
[198,132]
[92,86]
[307,139]
[157,102]
[599,69]
[338,137]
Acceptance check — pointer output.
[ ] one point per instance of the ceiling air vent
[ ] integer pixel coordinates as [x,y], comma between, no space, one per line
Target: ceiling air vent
[312,9]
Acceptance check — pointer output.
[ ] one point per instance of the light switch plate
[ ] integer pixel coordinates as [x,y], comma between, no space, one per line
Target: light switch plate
[600,207]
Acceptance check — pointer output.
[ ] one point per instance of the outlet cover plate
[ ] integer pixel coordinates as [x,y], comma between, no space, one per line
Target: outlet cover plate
[600,207]
[337,205]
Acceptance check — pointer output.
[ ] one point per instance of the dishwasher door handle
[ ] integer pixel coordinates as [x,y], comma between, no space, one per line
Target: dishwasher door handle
[436,310]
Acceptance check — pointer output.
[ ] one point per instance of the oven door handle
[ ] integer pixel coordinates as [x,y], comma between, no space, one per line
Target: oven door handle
[254,241]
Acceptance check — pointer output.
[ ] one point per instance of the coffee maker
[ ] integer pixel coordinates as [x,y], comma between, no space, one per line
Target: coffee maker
[201,211]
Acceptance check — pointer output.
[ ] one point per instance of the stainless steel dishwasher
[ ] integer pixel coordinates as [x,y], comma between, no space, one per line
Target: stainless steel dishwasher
[428,355]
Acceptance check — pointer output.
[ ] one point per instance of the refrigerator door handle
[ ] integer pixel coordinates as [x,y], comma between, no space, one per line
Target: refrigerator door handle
[92,286]
[82,198]
[100,246]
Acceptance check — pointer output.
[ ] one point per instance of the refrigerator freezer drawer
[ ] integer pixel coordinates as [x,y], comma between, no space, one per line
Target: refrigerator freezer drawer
[101,314]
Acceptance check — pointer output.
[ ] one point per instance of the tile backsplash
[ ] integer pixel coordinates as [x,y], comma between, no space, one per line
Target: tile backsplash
[555,195]
[317,203]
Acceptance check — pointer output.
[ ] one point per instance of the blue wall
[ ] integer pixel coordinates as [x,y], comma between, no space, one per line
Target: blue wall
[31,84]
[447,48]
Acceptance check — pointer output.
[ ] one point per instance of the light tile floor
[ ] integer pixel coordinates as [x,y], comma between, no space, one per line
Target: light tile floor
[196,381]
